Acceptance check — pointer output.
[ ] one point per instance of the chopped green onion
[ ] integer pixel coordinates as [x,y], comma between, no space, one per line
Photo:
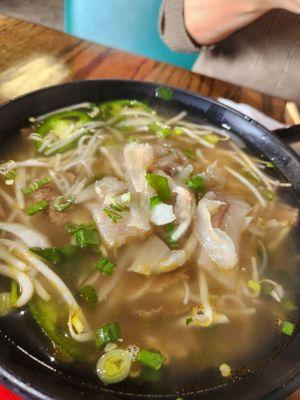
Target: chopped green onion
[84,235]
[211,138]
[61,203]
[151,359]
[5,304]
[105,266]
[108,333]
[189,154]
[164,93]
[254,285]
[122,201]
[170,228]
[114,366]
[189,320]
[13,292]
[113,214]
[288,328]
[267,287]
[88,294]
[36,207]
[196,183]
[161,185]
[269,195]
[35,185]
[154,201]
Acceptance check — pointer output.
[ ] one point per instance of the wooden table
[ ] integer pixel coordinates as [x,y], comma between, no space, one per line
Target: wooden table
[32,57]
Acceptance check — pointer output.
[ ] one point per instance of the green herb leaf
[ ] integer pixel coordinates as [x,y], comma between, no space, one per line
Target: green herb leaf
[88,294]
[36,207]
[154,201]
[56,255]
[288,328]
[197,184]
[51,254]
[61,203]
[269,195]
[105,266]
[164,93]
[151,359]
[161,185]
[108,333]
[84,234]
[46,315]
[189,320]
[35,185]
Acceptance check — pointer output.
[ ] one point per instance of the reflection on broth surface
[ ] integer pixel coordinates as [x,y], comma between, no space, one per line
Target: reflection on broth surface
[153,250]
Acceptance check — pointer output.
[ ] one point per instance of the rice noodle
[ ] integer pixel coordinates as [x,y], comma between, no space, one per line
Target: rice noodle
[20,181]
[25,284]
[40,290]
[63,109]
[31,237]
[249,185]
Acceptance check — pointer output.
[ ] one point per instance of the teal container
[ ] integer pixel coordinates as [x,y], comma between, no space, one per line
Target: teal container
[130,25]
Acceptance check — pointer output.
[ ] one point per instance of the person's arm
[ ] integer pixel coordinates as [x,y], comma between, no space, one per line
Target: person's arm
[186,25]
[209,22]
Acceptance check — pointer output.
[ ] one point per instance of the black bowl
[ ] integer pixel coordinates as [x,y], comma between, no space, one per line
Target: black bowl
[22,360]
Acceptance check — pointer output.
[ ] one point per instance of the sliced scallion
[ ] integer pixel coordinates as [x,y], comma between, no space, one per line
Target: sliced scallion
[108,333]
[154,201]
[287,328]
[105,266]
[161,185]
[197,184]
[84,234]
[114,366]
[38,183]
[151,359]
[36,207]
[61,203]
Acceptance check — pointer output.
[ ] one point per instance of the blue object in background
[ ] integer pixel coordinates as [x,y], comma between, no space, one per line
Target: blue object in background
[129,25]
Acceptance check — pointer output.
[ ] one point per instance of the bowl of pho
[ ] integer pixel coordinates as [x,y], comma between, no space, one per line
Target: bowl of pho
[149,247]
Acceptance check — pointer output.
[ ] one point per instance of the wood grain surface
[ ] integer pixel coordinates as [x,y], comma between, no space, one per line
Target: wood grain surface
[32,57]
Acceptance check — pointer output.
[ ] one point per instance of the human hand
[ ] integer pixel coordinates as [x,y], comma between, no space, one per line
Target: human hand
[210,21]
